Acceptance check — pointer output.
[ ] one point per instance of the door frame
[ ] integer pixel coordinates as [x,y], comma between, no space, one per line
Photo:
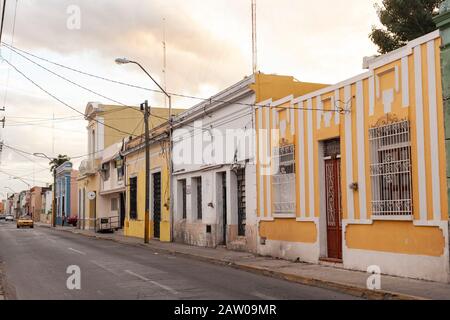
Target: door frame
[152,211]
[323,223]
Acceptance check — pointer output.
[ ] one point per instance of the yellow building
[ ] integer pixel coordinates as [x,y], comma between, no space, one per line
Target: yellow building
[355,173]
[134,153]
[108,125]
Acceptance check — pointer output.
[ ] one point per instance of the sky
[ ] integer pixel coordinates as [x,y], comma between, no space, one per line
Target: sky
[208,48]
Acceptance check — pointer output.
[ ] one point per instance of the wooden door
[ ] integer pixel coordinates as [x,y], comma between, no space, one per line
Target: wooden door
[156,205]
[333,205]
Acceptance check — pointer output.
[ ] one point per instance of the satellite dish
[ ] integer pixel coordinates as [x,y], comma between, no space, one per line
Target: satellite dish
[91,195]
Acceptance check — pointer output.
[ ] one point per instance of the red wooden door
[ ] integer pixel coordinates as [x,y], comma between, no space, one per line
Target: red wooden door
[334,211]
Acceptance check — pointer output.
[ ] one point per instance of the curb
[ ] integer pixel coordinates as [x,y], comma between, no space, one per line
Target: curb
[353,290]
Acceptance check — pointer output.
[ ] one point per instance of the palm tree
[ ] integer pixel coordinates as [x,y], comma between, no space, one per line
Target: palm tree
[56,162]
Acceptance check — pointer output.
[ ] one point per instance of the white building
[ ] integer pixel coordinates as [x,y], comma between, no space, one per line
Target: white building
[214,170]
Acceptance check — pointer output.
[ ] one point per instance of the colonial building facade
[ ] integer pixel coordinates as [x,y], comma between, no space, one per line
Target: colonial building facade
[354,173]
[214,173]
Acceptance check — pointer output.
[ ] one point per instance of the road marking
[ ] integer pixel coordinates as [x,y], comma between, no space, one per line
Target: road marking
[152,282]
[79,252]
[98,264]
[263,296]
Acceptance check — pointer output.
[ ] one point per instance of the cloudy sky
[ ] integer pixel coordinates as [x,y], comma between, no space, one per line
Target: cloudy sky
[208,49]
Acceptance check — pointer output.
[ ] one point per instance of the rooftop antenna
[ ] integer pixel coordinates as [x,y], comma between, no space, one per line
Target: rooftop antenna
[254,43]
[164,61]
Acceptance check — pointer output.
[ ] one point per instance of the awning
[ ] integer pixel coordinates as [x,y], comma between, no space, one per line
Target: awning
[112,152]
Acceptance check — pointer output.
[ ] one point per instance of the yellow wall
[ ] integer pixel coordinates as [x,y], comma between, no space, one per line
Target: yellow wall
[91,184]
[288,230]
[398,236]
[136,168]
[129,120]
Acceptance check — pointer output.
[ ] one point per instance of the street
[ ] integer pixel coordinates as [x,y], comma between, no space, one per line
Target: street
[36,260]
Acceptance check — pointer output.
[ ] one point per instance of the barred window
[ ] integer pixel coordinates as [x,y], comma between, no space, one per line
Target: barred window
[390,170]
[284,180]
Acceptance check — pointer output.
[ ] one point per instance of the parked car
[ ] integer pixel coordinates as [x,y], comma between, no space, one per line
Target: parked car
[25,221]
[2,217]
[9,218]
[72,221]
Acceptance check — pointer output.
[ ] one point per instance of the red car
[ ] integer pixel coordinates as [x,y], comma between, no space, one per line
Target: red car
[72,221]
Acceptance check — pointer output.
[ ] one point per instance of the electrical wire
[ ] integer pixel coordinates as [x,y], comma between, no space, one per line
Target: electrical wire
[58,99]
[211,100]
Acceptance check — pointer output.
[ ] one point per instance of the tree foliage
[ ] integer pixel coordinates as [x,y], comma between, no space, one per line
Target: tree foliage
[403,20]
[56,162]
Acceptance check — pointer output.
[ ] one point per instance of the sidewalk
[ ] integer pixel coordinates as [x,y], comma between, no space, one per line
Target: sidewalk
[347,281]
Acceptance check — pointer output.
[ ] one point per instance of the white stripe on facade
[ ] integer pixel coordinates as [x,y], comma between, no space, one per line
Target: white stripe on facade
[292,120]
[420,135]
[320,113]
[337,118]
[301,159]
[310,159]
[268,176]
[261,156]
[360,136]
[433,130]
[348,153]
[405,82]
[371,96]
[397,79]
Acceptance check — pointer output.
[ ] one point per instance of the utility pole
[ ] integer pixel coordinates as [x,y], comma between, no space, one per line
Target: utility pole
[3,19]
[254,38]
[146,109]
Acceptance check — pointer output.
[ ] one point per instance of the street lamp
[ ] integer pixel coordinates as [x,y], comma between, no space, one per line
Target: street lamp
[144,106]
[19,178]
[44,156]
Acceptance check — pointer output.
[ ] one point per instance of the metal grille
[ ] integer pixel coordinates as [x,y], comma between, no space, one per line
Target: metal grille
[242,219]
[133,198]
[284,180]
[390,170]
[199,199]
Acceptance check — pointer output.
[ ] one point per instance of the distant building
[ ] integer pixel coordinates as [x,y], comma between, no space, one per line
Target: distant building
[66,193]
[46,206]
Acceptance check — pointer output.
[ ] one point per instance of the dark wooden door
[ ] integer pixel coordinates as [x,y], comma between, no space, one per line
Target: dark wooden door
[224,207]
[333,205]
[156,204]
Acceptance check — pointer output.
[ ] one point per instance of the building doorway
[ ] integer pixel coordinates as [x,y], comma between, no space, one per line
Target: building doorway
[224,207]
[157,205]
[332,163]
[122,210]
[240,175]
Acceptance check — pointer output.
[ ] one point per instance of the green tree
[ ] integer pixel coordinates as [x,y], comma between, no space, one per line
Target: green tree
[403,20]
[56,162]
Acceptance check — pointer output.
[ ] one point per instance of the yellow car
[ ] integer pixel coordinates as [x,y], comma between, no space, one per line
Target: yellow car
[25,221]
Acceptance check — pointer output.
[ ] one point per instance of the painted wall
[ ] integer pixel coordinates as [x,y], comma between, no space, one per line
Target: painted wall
[403,85]
[202,133]
[135,167]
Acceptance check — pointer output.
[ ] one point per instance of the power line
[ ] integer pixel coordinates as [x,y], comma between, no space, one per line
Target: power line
[5,98]
[211,100]
[70,81]
[59,100]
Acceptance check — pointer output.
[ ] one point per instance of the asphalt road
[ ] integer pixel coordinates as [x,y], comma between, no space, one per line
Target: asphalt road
[36,261]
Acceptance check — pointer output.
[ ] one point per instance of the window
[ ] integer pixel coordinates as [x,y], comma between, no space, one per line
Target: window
[114,204]
[133,198]
[183,198]
[119,165]
[390,170]
[284,180]
[106,171]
